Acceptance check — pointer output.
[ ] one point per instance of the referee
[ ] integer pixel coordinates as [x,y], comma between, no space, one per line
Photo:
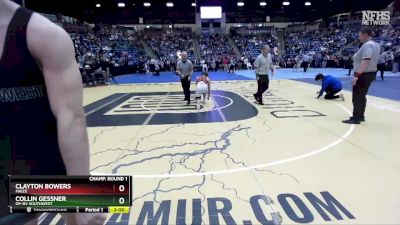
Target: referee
[383,62]
[307,59]
[365,67]
[184,68]
[262,66]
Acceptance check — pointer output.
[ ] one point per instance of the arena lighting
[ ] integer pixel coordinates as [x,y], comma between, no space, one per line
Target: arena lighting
[194,4]
[263,3]
[121,4]
[240,4]
[260,25]
[286,3]
[307,3]
[98,5]
[147,4]
[170,4]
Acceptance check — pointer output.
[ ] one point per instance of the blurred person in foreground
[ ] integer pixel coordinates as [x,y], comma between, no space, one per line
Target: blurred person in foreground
[41,116]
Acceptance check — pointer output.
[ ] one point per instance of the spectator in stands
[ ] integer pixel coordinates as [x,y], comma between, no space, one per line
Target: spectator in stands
[325,60]
[167,65]
[225,62]
[157,67]
[249,66]
[98,73]
[349,64]
[147,66]
[232,66]
[318,60]
[214,65]
[245,62]
[204,68]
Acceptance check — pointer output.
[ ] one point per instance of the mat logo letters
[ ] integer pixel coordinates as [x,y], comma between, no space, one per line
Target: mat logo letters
[289,208]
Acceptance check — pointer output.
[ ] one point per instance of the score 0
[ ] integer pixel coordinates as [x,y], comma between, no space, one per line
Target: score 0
[121,189]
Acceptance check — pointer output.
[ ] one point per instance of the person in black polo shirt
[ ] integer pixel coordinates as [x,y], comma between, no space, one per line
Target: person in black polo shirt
[44,130]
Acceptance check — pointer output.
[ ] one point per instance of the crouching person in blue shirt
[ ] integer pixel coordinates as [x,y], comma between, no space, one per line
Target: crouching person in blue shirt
[331,85]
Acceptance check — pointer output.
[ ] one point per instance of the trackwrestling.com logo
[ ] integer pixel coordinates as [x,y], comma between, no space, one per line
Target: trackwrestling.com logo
[381,18]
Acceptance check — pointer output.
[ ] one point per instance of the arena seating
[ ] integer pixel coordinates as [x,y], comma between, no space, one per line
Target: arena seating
[121,50]
[338,42]
[116,48]
[215,46]
[166,43]
[250,40]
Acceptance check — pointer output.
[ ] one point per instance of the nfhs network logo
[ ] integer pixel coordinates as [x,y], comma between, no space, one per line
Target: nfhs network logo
[381,18]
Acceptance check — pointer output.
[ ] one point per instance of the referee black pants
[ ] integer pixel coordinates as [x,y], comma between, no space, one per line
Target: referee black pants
[186,88]
[263,85]
[305,66]
[381,68]
[360,91]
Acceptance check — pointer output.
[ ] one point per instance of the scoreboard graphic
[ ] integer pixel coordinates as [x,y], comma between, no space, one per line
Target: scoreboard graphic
[88,194]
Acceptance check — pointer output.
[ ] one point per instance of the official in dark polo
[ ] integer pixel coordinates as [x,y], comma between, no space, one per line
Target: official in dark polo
[365,66]
[184,68]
